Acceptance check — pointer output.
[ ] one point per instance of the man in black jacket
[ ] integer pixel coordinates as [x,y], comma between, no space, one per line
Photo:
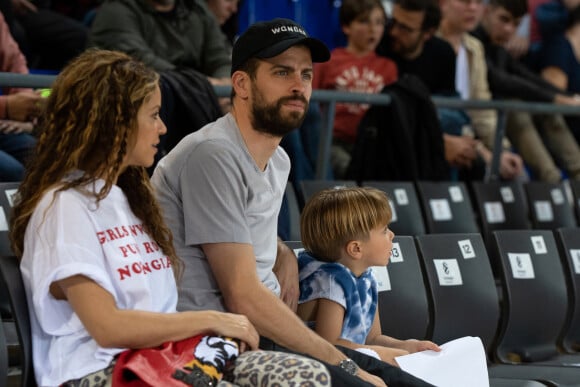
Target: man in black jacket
[508,78]
[410,42]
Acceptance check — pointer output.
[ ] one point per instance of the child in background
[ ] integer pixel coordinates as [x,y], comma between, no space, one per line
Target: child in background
[355,68]
[345,232]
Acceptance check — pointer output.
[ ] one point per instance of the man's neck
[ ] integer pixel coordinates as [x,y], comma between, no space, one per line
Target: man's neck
[573,35]
[260,145]
[452,35]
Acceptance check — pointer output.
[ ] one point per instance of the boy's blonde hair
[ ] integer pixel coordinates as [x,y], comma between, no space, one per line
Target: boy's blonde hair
[336,216]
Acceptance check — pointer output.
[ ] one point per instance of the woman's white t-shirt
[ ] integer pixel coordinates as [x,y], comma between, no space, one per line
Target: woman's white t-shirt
[69,234]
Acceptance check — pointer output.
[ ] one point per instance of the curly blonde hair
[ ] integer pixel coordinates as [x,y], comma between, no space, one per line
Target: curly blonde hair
[334,217]
[89,123]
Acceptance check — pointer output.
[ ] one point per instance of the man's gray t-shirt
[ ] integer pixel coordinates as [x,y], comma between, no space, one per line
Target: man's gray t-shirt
[211,190]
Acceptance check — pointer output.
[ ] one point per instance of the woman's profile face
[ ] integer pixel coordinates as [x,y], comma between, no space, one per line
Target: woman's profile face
[149,128]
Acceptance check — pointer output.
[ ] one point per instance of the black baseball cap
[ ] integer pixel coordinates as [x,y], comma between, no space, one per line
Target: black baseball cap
[267,39]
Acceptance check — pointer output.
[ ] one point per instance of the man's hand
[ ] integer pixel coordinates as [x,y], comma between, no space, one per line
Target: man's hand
[286,270]
[15,127]
[460,151]
[510,165]
[24,105]
[563,99]
[518,46]
[22,7]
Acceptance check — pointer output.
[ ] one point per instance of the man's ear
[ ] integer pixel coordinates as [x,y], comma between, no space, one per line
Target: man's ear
[354,249]
[241,84]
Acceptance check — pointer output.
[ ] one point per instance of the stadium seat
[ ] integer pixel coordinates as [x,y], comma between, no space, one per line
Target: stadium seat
[7,191]
[407,217]
[10,272]
[501,206]
[447,207]
[403,301]
[293,212]
[465,302]
[310,187]
[569,243]
[535,298]
[549,205]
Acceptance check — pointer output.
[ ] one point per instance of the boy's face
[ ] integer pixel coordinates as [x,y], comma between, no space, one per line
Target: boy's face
[377,249]
[365,32]
[461,16]
[499,24]
[407,36]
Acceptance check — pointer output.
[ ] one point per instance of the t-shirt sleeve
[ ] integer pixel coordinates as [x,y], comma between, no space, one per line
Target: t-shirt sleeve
[214,196]
[322,285]
[557,54]
[64,244]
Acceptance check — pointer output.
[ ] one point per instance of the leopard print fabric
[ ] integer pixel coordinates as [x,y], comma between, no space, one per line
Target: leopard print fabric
[251,369]
[277,369]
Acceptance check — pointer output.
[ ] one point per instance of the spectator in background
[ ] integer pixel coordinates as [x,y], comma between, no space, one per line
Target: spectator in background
[48,39]
[182,40]
[19,109]
[508,78]
[164,34]
[560,63]
[459,17]
[81,10]
[354,68]
[411,42]
[519,44]
[224,11]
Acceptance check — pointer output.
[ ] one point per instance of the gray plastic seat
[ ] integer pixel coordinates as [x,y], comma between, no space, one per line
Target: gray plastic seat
[447,207]
[549,205]
[568,240]
[10,272]
[465,302]
[310,187]
[407,215]
[535,298]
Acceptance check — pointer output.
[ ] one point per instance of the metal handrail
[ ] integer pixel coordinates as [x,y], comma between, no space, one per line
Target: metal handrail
[331,97]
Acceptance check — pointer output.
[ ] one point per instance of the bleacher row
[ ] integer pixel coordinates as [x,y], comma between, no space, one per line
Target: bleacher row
[514,286]
[485,270]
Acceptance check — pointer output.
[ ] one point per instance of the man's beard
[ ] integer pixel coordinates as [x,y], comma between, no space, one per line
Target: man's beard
[403,51]
[267,118]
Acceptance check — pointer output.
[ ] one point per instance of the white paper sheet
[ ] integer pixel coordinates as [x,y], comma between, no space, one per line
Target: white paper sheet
[460,363]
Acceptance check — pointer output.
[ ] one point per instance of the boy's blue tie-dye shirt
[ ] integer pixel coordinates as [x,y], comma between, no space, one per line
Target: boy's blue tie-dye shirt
[334,281]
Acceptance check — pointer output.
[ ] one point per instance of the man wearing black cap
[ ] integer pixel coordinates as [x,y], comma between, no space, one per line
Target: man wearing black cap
[221,189]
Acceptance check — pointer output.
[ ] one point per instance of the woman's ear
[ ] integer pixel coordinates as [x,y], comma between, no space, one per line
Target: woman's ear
[241,84]
[354,249]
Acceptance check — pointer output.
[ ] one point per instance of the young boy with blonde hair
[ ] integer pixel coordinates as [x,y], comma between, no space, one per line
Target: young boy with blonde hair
[345,232]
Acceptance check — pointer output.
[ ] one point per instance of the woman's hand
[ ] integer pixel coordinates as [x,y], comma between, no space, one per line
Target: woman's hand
[239,327]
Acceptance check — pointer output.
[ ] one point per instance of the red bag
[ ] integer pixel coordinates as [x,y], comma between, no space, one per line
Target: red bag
[197,361]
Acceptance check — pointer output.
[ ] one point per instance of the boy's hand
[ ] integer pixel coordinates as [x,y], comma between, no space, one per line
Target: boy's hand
[413,346]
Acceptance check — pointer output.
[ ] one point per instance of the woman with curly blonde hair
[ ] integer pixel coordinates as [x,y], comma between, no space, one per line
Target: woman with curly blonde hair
[97,259]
